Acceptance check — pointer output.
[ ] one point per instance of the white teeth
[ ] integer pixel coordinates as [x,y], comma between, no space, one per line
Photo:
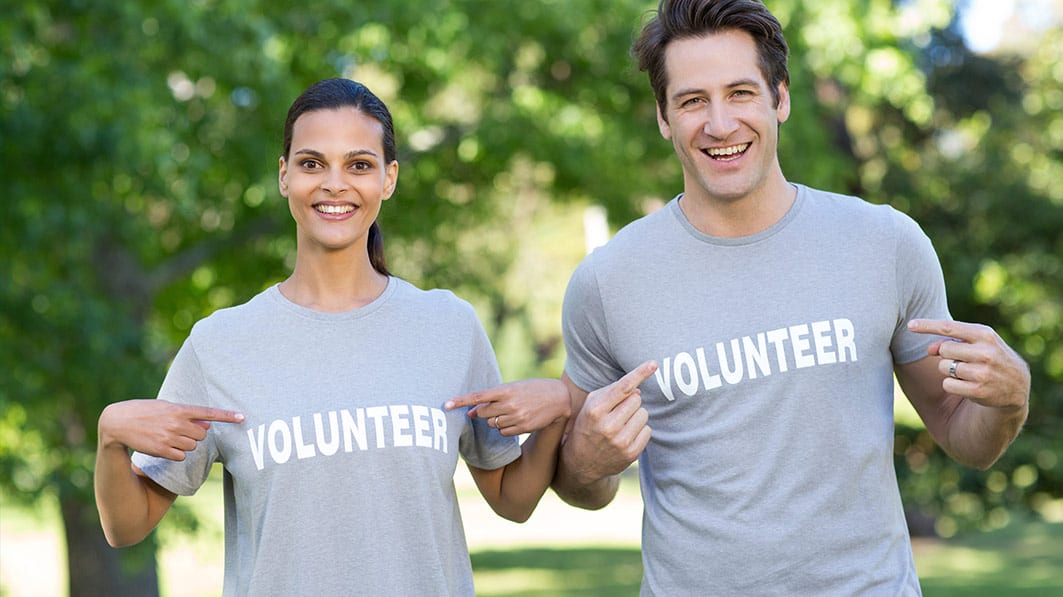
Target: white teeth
[334,209]
[727,151]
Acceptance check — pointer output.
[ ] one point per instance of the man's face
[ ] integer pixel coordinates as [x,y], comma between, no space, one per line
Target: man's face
[720,115]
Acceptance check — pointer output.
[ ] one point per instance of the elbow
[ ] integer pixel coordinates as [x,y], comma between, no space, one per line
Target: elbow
[117,537]
[985,462]
[518,517]
[584,503]
[982,461]
[118,541]
[118,544]
[590,496]
[516,513]
[981,465]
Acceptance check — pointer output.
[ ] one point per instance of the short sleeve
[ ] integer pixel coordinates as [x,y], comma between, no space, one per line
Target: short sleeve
[184,384]
[588,361]
[480,445]
[920,287]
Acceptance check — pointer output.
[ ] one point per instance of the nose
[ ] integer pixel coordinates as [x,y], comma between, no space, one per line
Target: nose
[721,121]
[334,182]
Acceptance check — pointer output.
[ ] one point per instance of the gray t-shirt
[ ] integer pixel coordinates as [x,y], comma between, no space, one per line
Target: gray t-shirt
[770,469]
[340,479]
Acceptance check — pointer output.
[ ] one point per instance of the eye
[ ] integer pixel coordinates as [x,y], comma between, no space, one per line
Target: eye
[309,164]
[691,101]
[361,166]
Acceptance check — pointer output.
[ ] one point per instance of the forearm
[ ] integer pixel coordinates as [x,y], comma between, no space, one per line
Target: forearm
[128,512]
[521,483]
[525,480]
[978,435]
[577,489]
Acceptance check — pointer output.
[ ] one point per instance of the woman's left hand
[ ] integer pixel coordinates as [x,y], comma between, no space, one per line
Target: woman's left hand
[520,406]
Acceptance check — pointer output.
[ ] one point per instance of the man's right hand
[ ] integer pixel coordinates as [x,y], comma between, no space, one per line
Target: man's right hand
[158,427]
[610,430]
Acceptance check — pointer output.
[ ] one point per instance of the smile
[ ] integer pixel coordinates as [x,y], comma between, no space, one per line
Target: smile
[726,153]
[334,209]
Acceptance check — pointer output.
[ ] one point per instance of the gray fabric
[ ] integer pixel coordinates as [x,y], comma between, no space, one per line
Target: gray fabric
[770,470]
[340,480]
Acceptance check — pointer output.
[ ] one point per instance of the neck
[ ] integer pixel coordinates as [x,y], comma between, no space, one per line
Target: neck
[333,281]
[735,217]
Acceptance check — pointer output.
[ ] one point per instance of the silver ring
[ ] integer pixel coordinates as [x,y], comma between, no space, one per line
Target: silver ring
[496,421]
[952,369]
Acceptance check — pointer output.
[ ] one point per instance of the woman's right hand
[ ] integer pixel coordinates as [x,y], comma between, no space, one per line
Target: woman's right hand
[159,428]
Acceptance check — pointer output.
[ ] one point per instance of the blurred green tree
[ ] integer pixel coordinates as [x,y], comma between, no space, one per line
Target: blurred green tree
[982,179]
[140,142]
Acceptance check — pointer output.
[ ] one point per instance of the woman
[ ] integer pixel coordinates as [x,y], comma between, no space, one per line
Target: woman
[324,398]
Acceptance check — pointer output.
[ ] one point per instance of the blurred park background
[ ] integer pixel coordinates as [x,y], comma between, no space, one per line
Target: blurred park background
[139,151]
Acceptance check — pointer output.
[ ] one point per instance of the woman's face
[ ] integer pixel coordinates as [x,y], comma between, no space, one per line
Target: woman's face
[335,178]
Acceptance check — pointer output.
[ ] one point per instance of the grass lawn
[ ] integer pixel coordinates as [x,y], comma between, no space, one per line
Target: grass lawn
[561,551]
[1022,560]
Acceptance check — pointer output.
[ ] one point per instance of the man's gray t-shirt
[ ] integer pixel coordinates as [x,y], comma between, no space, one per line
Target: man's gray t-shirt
[340,479]
[770,468]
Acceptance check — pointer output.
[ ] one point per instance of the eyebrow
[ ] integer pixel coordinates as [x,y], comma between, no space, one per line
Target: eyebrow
[347,156]
[731,85]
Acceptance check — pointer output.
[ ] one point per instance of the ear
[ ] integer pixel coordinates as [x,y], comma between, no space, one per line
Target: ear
[391,178]
[783,110]
[662,124]
[282,177]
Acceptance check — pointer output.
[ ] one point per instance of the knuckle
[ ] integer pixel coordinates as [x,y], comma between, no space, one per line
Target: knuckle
[594,411]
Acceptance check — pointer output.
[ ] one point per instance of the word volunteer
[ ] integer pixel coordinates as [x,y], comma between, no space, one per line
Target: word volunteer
[397,426]
[804,345]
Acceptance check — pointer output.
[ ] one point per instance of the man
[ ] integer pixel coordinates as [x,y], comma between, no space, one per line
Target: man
[768,320]
[777,315]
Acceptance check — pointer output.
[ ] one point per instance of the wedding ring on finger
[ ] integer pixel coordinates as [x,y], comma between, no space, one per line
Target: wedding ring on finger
[496,422]
[952,370]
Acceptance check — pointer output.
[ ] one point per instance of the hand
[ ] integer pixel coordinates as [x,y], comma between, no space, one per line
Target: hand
[520,406]
[977,364]
[158,427]
[611,430]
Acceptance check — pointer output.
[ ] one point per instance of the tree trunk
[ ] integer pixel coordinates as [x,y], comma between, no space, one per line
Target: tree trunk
[95,568]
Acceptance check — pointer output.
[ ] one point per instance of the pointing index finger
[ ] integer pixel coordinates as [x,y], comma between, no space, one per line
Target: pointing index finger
[636,376]
[968,332]
[206,413]
[471,399]
[616,392]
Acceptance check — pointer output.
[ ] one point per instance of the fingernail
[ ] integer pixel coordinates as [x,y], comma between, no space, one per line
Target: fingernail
[449,404]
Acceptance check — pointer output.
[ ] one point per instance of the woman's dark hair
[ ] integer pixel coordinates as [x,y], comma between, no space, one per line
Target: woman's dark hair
[682,19]
[331,94]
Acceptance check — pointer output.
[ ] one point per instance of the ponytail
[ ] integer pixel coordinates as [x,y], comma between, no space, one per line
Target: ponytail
[376,249]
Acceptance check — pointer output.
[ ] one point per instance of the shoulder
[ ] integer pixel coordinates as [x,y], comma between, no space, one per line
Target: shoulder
[257,310]
[849,212]
[434,304]
[635,239]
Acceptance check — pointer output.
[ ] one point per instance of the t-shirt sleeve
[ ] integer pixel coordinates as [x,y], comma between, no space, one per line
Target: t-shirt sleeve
[480,445]
[184,384]
[588,361]
[921,289]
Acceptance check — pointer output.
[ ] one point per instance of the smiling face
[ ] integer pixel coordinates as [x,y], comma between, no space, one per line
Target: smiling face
[335,178]
[722,120]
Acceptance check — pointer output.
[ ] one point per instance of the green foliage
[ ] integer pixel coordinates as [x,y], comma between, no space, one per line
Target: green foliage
[979,180]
